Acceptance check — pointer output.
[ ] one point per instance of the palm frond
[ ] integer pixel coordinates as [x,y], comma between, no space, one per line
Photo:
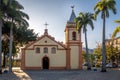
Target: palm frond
[96,13]
[16,4]
[90,22]
[23,15]
[83,20]
[117,30]
[117,21]
[107,13]
[104,6]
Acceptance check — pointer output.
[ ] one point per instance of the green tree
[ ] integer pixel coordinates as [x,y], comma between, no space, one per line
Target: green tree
[24,31]
[5,48]
[97,52]
[110,53]
[3,7]
[11,14]
[115,32]
[83,56]
[103,7]
[16,17]
[82,21]
[92,58]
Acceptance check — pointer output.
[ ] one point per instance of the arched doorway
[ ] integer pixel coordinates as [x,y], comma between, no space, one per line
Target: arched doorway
[45,63]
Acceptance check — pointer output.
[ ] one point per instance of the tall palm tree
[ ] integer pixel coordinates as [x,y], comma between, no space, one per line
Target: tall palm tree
[103,7]
[10,11]
[117,29]
[0,45]
[2,5]
[3,12]
[82,21]
[18,18]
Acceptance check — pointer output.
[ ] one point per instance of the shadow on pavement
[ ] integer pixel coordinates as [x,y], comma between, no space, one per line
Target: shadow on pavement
[8,76]
[21,74]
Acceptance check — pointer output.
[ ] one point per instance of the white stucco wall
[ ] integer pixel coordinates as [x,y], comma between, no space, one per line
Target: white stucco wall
[74,57]
[33,59]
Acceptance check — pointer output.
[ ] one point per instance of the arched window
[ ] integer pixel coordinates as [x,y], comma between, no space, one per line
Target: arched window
[37,50]
[45,50]
[53,50]
[74,36]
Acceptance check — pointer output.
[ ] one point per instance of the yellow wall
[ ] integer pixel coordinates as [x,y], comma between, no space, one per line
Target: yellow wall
[58,59]
[34,59]
[31,59]
[74,57]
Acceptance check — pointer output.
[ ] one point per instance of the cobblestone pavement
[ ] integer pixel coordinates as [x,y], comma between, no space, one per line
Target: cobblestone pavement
[62,75]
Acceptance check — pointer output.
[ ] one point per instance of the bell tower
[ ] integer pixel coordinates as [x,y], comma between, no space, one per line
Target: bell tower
[73,44]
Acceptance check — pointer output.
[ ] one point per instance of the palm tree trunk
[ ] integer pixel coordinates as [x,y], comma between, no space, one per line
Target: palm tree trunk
[4,60]
[103,48]
[10,48]
[0,46]
[87,53]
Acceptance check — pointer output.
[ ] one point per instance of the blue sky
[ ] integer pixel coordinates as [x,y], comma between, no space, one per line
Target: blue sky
[57,12]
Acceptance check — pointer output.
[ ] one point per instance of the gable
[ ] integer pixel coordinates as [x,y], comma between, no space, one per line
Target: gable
[45,40]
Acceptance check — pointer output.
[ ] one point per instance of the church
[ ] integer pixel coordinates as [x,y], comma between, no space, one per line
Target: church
[47,53]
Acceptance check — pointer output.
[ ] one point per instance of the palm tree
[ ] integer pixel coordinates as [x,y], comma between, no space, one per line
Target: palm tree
[17,18]
[10,11]
[82,21]
[117,30]
[103,7]
[0,45]
[1,24]
[3,7]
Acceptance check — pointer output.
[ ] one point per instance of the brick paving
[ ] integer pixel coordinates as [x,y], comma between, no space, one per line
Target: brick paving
[111,74]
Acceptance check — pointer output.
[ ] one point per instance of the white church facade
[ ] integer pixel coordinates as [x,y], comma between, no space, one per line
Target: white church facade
[47,53]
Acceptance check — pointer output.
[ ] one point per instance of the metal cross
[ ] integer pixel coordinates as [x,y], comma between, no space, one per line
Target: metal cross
[72,7]
[46,24]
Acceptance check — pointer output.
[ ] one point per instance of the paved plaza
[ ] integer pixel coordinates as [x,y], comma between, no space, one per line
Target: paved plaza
[111,74]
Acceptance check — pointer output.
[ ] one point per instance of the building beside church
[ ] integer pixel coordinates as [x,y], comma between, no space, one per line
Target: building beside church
[47,53]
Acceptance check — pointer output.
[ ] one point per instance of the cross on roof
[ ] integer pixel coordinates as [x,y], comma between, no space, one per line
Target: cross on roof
[46,24]
[72,7]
